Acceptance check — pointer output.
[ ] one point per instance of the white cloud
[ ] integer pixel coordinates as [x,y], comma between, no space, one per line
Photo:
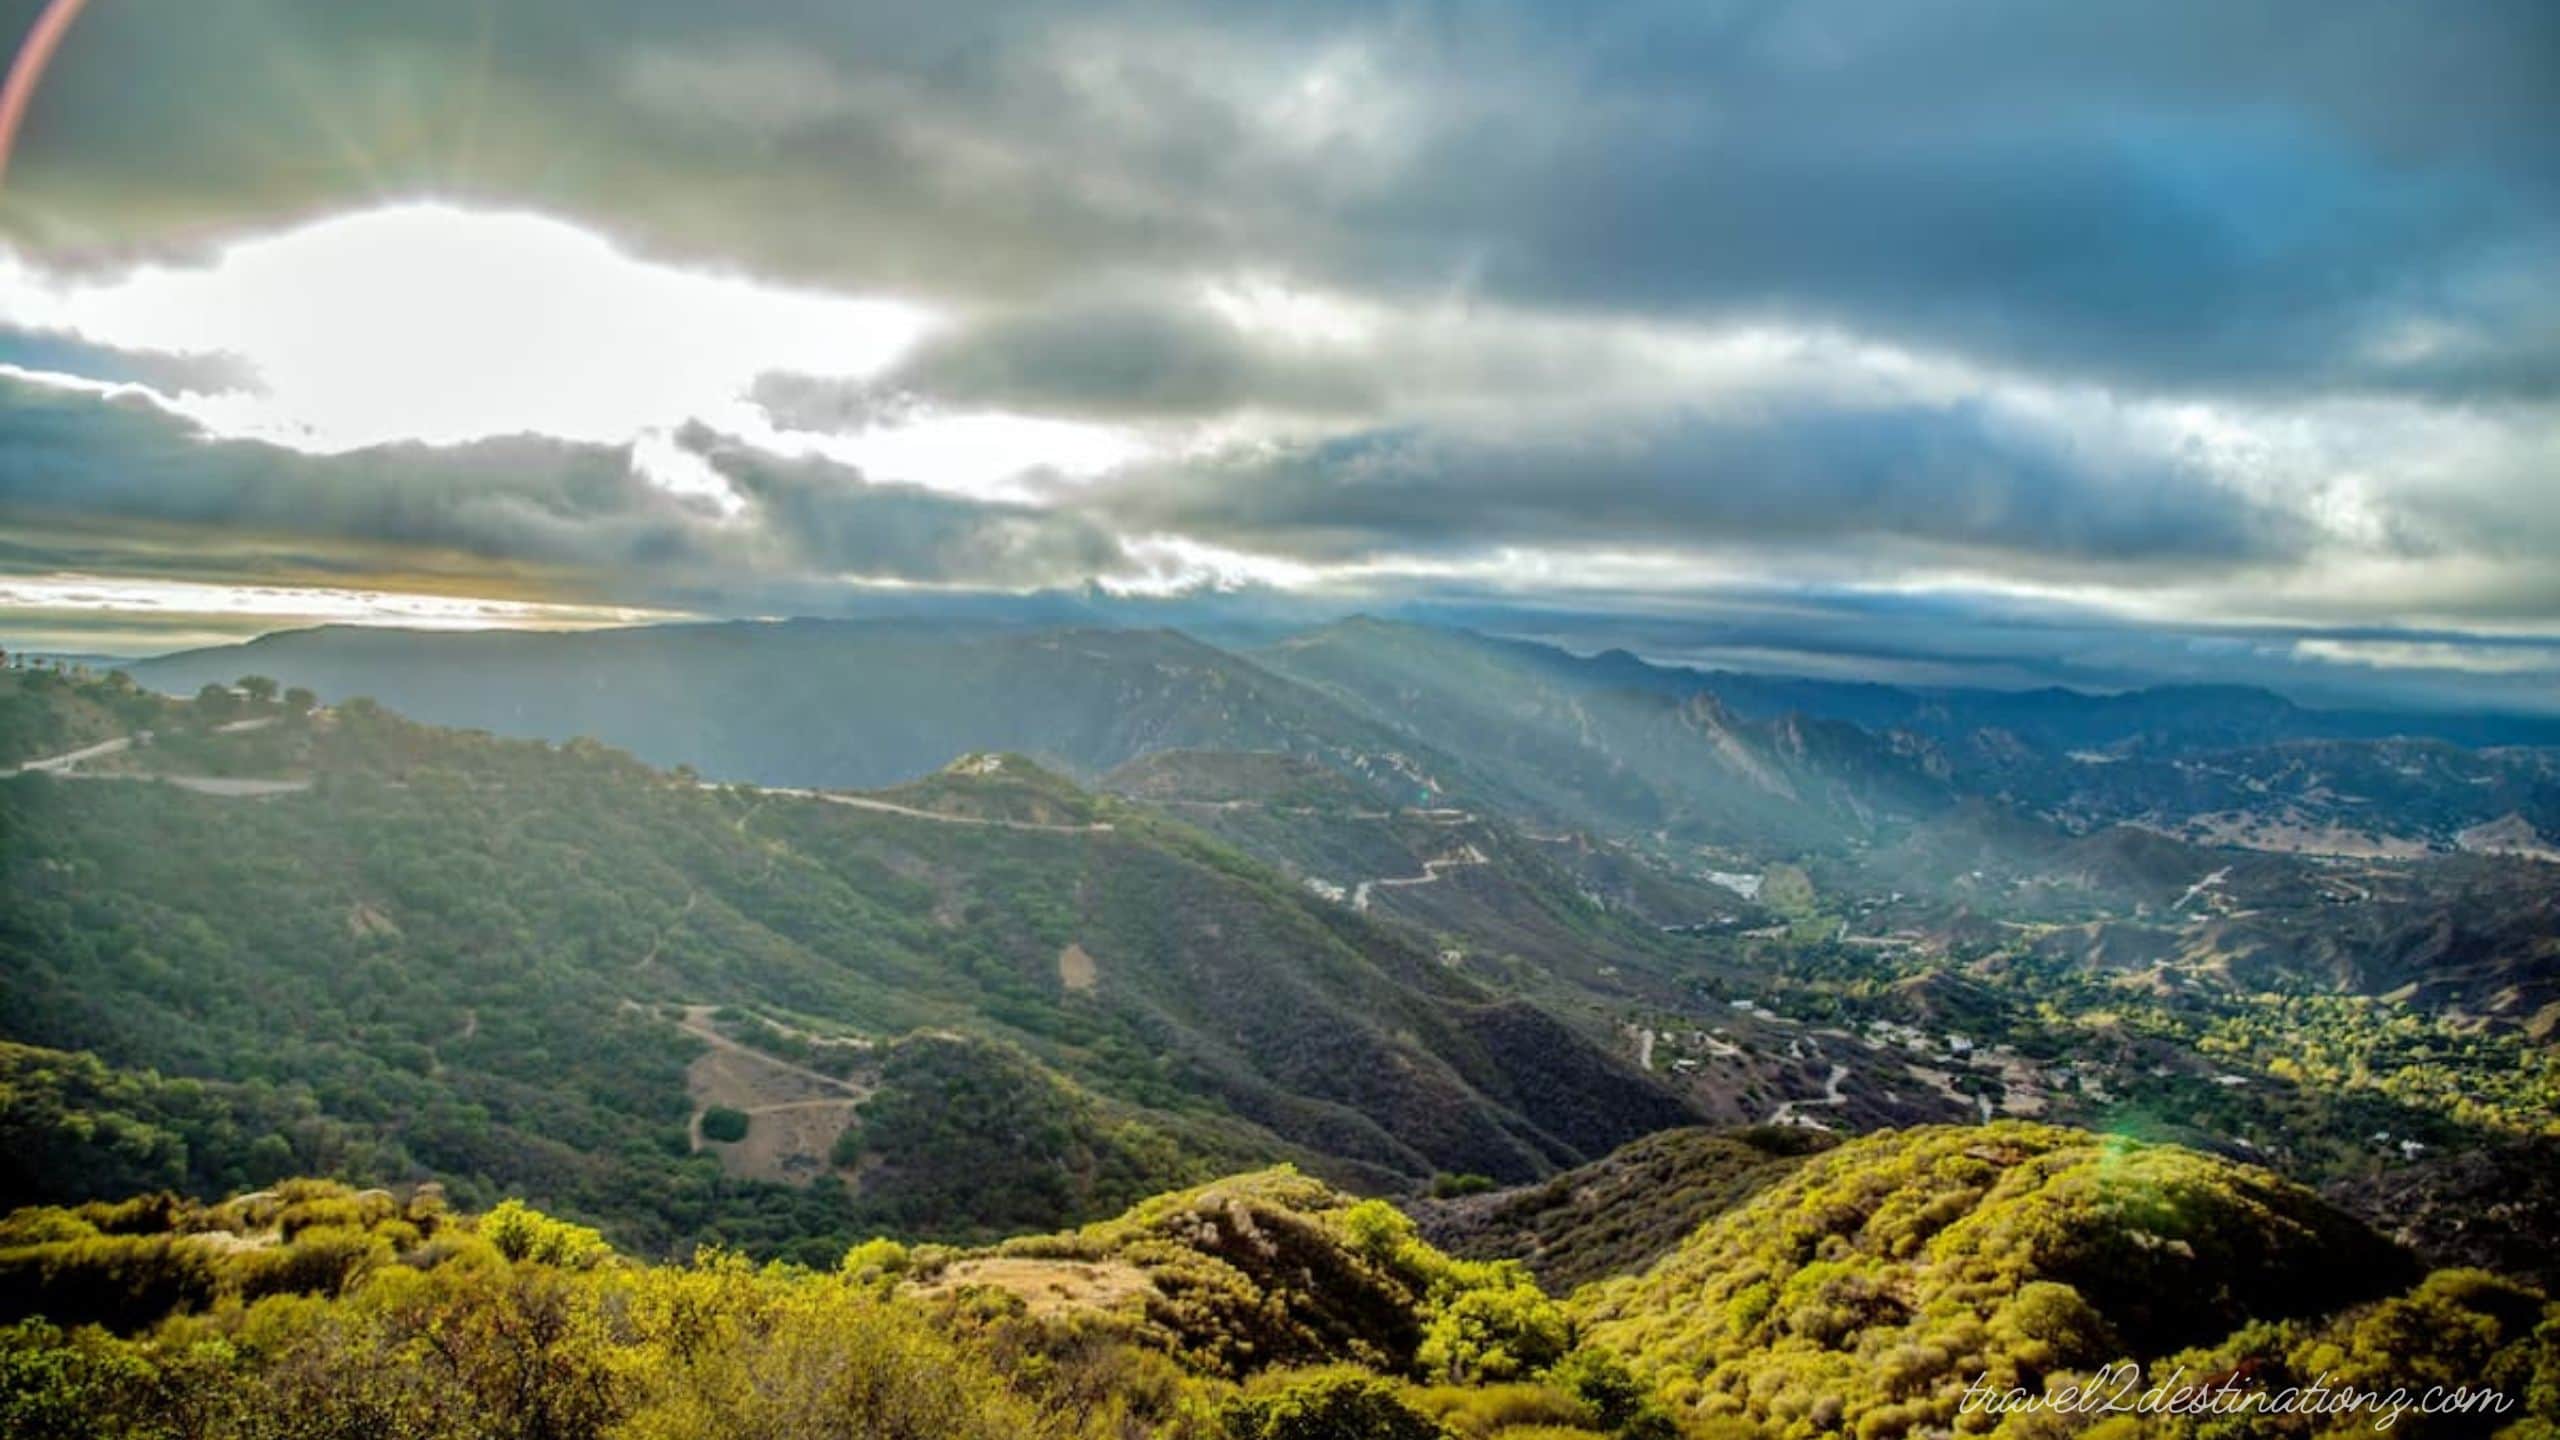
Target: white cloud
[275,606]
[431,323]
[2470,659]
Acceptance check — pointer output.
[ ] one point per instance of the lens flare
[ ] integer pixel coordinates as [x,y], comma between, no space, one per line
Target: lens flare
[28,68]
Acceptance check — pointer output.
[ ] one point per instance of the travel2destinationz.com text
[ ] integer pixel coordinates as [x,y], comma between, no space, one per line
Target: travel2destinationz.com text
[2119,1390]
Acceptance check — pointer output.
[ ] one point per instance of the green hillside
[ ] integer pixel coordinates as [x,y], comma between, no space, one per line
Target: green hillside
[1632,762]
[1618,1214]
[528,969]
[1530,911]
[1859,1297]
[45,713]
[1882,1278]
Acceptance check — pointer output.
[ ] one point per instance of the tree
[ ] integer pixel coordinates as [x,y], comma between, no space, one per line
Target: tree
[259,689]
[216,703]
[300,701]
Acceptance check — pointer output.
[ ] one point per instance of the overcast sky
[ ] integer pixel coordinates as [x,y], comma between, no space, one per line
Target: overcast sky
[2007,343]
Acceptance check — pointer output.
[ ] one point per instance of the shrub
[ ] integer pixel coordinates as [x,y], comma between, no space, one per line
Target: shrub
[319,1261]
[880,1259]
[1508,1329]
[724,1124]
[1326,1405]
[123,1282]
[523,1233]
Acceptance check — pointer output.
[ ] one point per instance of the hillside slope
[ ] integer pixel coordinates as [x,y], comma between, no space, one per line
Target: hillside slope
[1880,1279]
[1680,767]
[530,968]
[1619,1214]
[1526,909]
[809,702]
[1858,1298]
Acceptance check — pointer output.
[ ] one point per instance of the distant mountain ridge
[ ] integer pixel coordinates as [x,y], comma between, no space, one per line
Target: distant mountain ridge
[2160,717]
[1668,758]
[805,702]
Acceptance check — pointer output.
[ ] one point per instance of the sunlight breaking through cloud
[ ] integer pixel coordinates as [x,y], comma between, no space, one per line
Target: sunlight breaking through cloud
[432,323]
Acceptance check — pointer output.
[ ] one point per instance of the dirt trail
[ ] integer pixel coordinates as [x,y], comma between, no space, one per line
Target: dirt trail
[865,802]
[226,786]
[2198,888]
[886,807]
[435,1053]
[697,1023]
[794,1113]
[691,899]
[1786,1114]
[1643,1037]
[56,764]
[1432,870]
[1268,808]
[67,766]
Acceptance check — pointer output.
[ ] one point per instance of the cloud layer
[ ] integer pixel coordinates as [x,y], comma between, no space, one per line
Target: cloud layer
[2179,315]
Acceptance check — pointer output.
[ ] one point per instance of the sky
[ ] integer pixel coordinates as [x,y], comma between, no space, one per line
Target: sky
[1955,343]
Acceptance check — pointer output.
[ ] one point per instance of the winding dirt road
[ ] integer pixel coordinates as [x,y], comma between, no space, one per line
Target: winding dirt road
[1432,870]
[66,766]
[1786,1114]
[887,807]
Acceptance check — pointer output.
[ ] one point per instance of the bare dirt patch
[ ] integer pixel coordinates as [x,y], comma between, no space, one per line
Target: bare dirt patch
[1076,970]
[2289,832]
[789,1143]
[1050,1287]
[364,920]
[794,1114]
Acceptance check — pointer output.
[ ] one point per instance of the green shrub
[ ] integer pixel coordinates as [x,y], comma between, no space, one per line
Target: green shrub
[523,1233]
[123,1282]
[1326,1405]
[724,1124]
[876,1260]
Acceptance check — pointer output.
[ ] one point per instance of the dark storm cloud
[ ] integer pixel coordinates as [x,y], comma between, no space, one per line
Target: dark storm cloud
[78,458]
[2333,226]
[1962,478]
[1128,357]
[837,524]
[117,483]
[2174,194]
[2349,193]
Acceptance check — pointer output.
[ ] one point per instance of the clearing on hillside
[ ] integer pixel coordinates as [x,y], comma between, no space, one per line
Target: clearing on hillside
[1076,970]
[794,1114]
[1049,1287]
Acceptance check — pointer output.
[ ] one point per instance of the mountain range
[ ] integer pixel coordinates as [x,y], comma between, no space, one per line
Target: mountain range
[1710,1028]
[1660,755]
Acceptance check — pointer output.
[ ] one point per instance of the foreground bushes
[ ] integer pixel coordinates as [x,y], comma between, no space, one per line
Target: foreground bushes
[313,1311]
[1846,1301]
